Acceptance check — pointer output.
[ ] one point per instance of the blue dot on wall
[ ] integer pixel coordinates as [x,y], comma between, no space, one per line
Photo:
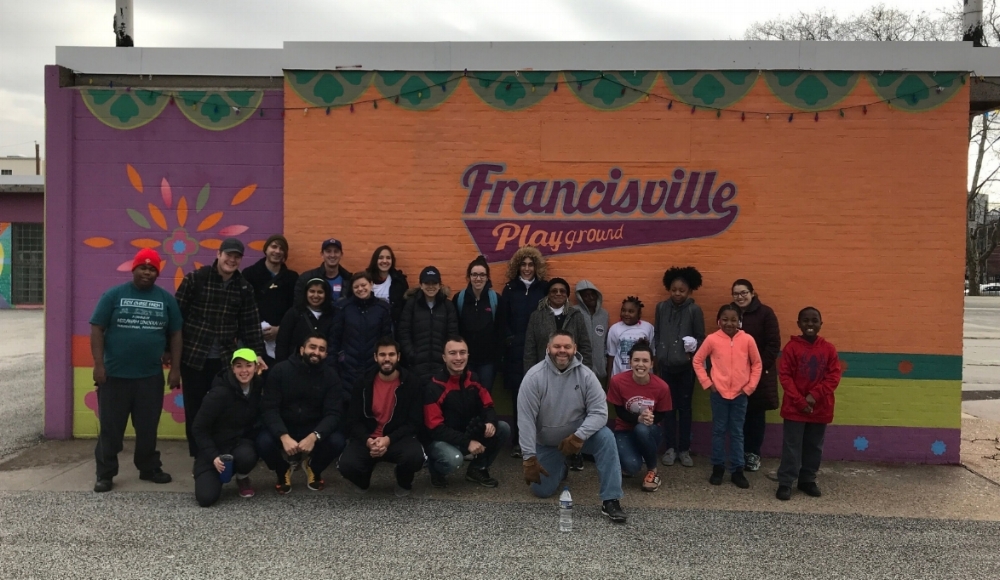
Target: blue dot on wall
[179,401]
[938,447]
[861,443]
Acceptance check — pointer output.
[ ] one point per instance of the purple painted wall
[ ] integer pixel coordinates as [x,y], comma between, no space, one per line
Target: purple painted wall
[22,207]
[197,186]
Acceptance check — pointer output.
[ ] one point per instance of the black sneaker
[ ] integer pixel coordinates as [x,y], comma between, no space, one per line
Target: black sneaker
[613,510]
[438,481]
[718,472]
[103,485]
[810,488]
[480,476]
[740,480]
[784,493]
[284,484]
[158,476]
[575,462]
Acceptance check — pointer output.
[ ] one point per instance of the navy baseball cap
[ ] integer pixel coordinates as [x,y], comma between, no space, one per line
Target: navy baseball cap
[332,242]
[430,275]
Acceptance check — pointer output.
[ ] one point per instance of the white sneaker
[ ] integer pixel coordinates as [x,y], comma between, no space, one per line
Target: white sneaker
[685,457]
[401,491]
[669,457]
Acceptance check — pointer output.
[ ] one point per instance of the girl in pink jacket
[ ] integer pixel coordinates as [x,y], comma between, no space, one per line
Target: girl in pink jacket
[736,369]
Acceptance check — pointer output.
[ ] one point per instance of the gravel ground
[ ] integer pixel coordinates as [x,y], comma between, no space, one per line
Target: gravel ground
[165,535]
[21,363]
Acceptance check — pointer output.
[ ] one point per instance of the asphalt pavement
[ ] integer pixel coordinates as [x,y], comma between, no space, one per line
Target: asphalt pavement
[21,364]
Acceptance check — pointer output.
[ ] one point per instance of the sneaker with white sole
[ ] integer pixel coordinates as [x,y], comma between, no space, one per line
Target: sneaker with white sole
[245,487]
[685,459]
[751,461]
[651,482]
[402,491]
[669,457]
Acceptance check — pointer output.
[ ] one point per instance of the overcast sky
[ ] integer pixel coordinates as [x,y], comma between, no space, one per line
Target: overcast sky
[31,29]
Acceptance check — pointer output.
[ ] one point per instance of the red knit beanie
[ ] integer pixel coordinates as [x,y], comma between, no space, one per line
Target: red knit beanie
[147,256]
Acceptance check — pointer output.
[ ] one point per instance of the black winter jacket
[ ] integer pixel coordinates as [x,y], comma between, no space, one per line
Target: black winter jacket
[357,326]
[274,294]
[482,328]
[518,305]
[397,293]
[305,277]
[423,332]
[302,395]
[407,416]
[225,417]
[672,324]
[760,322]
[457,409]
[295,327]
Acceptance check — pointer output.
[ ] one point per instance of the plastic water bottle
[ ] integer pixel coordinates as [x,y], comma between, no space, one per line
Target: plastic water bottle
[565,511]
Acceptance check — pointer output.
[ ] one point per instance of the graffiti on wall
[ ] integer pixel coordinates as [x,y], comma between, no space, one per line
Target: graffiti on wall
[5,254]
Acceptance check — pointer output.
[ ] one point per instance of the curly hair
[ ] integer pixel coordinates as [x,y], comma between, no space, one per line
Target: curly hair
[514,266]
[689,274]
[634,300]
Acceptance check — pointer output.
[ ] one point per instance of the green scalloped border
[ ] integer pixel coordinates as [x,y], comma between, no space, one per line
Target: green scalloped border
[352,84]
[697,87]
[417,91]
[145,113]
[603,90]
[513,91]
[889,85]
[218,103]
[790,86]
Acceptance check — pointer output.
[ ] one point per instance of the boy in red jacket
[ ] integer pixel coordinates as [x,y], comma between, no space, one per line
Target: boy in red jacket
[809,371]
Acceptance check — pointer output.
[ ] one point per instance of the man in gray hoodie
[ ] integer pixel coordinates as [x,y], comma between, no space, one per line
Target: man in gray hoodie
[590,300]
[562,411]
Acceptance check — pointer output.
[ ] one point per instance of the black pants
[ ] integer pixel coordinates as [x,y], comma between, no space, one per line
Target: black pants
[754,428]
[117,399]
[323,454]
[677,425]
[801,452]
[357,464]
[196,385]
[513,374]
[208,486]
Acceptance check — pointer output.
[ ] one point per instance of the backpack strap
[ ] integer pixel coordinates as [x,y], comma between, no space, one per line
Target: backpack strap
[461,301]
[494,299]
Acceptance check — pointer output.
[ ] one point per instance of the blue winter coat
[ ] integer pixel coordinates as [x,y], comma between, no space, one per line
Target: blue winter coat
[357,326]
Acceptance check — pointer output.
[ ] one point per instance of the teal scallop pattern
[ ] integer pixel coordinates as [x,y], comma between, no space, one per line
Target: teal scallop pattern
[715,89]
[916,91]
[124,109]
[417,91]
[603,90]
[510,91]
[811,90]
[329,88]
[218,110]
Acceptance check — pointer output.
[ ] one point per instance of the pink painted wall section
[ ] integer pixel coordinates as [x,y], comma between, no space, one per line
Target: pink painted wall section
[22,207]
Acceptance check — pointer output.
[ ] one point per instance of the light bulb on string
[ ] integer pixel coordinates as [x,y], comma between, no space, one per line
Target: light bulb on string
[790,117]
[375,104]
[816,118]
[670,105]
[743,116]
[352,107]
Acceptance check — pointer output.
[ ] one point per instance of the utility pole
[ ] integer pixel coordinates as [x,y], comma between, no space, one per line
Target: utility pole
[123,23]
[972,22]
[38,160]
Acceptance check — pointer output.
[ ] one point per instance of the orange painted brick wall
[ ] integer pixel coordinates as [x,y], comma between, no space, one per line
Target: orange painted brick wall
[861,216]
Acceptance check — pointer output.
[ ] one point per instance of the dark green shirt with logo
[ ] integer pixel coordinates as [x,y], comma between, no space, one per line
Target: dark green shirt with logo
[137,324]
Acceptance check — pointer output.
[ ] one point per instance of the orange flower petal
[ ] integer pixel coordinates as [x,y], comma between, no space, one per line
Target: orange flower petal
[133,177]
[157,215]
[198,265]
[210,244]
[244,194]
[178,276]
[146,243]
[182,211]
[125,266]
[257,245]
[210,221]
[98,242]
[163,264]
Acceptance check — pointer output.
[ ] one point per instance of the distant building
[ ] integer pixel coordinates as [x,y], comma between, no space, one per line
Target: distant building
[22,238]
[18,165]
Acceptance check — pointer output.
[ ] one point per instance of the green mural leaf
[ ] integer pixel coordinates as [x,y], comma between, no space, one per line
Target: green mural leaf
[737,77]
[439,77]
[512,95]
[241,98]
[101,96]
[215,108]
[355,77]
[303,77]
[916,91]
[191,98]
[839,78]
[811,90]
[139,219]
[682,77]
[327,89]
[202,197]
[610,89]
[512,91]
[786,78]
[124,108]
[709,89]
[485,79]
[717,89]
[415,90]
[147,97]
[390,78]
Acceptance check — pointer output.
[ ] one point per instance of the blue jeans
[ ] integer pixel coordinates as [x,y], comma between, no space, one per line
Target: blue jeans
[605,451]
[638,445]
[444,458]
[487,375]
[727,417]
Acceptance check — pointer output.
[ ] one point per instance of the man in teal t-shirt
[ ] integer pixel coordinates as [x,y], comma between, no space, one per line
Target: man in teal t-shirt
[129,331]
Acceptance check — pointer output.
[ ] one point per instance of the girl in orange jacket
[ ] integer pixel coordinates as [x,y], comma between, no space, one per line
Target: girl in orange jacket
[735,372]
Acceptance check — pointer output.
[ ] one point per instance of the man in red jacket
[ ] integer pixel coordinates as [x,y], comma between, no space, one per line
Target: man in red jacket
[809,371]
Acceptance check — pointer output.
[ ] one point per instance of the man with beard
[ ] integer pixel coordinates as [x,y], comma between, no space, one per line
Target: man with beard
[302,408]
[128,334]
[561,412]
[383,418]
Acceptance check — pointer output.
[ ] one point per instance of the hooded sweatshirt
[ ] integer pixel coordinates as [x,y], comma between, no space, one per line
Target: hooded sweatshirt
[553,405]
[543,323]
[808,368]
[597,327]
[736,365]
[672,324]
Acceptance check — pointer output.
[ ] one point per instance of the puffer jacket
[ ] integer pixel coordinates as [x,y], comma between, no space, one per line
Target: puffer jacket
[357,326]
[543,323]
[298,323]
[760,322]
[397,293]
[225,417]
[672,324]
[423,331]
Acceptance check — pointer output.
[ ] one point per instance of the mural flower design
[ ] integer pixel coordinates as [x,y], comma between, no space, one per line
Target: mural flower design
[177,238]
[90,400]
[173,403]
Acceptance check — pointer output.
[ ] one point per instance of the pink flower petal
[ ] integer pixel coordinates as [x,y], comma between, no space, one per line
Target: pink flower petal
[167,193]
[233,230]
[125,267]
